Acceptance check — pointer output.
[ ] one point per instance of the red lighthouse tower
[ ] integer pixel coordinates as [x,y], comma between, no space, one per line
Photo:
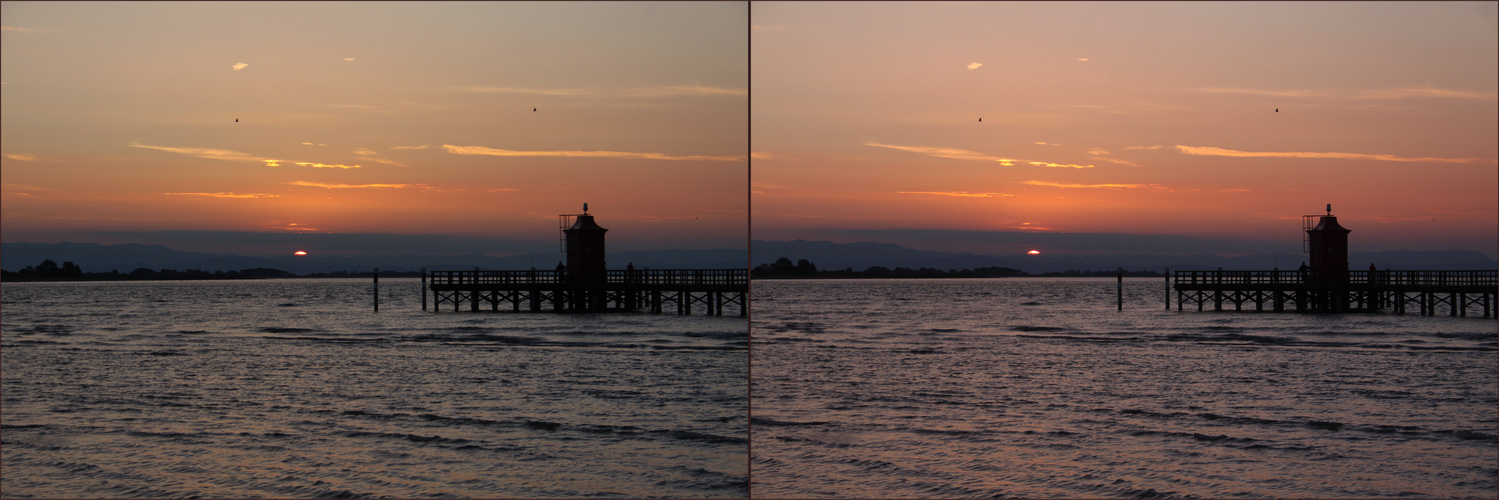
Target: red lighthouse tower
[1327,244]
[585,249]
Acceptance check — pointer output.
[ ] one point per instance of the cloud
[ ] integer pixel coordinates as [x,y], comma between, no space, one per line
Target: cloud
[225,154]
[364,152]
[1143,147]
[761,156]
[210,153]
[323,165]
[1097,151]
[1093,186]
[963,154]
[480,150]
[424,146]
[1082,59]
[228,195]
[974,65]
[20,157]
[313,144]
[958,194]
[348,59]
[940,152]
[357,186]
[239,66]
[499,190]
[1058,165]
[1116,160]
[22,29]
[1212,151]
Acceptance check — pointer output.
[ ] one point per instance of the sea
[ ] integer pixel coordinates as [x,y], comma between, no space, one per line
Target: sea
[1043,388]
[299,389]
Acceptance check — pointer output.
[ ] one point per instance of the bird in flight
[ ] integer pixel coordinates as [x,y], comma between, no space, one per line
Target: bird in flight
[1277,110]
[981,118]
[236,120]
[533,110]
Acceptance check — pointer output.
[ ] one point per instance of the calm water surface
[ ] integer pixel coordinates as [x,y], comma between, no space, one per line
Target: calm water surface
[295,389]
[1039,388]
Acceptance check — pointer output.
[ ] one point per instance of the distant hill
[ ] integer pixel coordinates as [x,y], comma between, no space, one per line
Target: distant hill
[93,257]
[860,256]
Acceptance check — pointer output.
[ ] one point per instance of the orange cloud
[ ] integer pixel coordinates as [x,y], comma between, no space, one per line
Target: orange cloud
[357,186]
[1093,186]
[1212,151]
[480,150]
[963,154]
[228,195]
[959,194]
[322,165]
[974,65]
[21,157]
[210,153]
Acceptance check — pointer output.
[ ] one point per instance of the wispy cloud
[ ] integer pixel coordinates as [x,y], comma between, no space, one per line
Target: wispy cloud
[1058,165]
[225,154]
[211,153]
[957,194]
[21,156]
[480,150]
[941,152]
[424,146]
[22,29]
[313,144]
[974,65]
[364,152]
[1093,186]
[323,165]
[963,154]
[1212,151]
[1116,160]
[227,195]
[357,186]
[348,59]
[239,66]
[1097,151]
[1127,148]
[1082,59]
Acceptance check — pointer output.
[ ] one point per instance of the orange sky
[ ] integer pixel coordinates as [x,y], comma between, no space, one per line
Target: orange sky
[378,117]
[1139,118]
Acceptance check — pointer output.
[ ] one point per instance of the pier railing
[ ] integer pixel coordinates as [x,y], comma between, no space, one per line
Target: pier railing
[642,277]
[1392,278]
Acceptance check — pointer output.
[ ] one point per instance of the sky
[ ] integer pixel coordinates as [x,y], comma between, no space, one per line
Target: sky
[176,122]
[968,126]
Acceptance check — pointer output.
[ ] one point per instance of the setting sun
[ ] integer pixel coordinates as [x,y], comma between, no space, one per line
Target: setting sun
[1033,252]
[300,252]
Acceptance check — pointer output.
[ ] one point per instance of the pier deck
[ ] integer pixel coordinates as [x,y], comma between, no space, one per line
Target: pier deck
[1369,291]
[655,290]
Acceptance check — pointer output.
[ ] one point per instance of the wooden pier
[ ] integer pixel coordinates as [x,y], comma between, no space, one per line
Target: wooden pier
[1457,293]
[653,290]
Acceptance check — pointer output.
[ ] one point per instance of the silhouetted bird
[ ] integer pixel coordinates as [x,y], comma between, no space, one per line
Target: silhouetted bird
[236,120]
[533,110]
[1277,110]
[981,118]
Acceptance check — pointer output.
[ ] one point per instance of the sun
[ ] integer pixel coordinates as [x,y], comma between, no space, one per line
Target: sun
[300,252]
[1033,252]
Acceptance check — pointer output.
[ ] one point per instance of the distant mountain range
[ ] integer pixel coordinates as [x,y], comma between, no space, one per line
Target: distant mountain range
[860,256]
[94,257]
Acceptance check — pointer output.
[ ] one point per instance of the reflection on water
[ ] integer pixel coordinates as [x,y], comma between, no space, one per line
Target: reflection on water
[1041,389]
[295,389]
